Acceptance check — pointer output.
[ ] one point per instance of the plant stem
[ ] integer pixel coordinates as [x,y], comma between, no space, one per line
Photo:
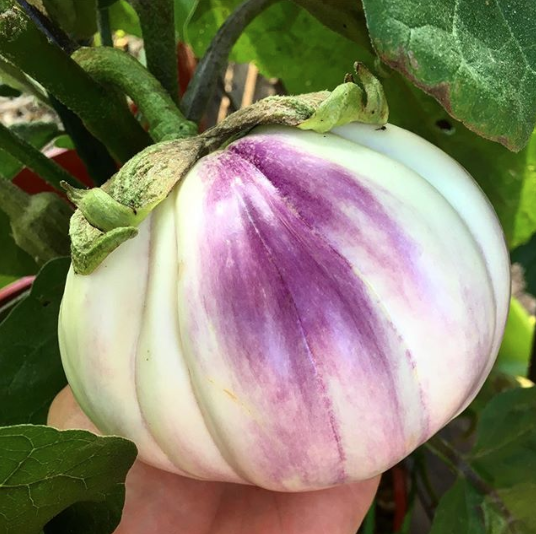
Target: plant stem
[459,465]
[53,32]
[103,22]
[425,478]
[157,19]
[15,76]
[103,113]
[412,496]
[34,159]
[97,160]
[209,69]
[111,66]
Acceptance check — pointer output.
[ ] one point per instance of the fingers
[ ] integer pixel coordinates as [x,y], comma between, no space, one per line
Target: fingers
[162,502]
[65,413]
[338,510]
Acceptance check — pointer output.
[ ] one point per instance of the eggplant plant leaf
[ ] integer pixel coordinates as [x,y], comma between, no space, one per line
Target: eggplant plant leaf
[78,19]
[37,134]
[505,449]
[14,262]
[346,18]
[105,4]
[43,471]
[514,353]
[505,457]
[505,453]
[464,510]
[123,17]
[88,517]
[273,41]
[31,373]
[476,58]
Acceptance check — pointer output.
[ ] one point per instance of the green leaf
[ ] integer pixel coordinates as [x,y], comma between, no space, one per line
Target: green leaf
[520,500]
[464,510]
[505,457]
[90,517]
[12,76]
[31,373]
[14,262]
[78,19]
[103,4]
[507,430]
[38,134]
[123,17]
[64,141]
[477,59]
[341,16]
[505,452]
[183,10]
[514,354]
[497,382]
[274,40]
[43,471]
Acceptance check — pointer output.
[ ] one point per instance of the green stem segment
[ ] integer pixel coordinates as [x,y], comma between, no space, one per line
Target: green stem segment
[103,113]
[110,66]
[103,23]
[34,159]
[15,77]
[203,84]
[97,160]
[158,30]
[460,466]
[101,210]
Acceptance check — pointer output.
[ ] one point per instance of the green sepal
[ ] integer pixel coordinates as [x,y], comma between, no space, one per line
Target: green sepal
[90,246]
[351,103]
[138,188]
[102,211]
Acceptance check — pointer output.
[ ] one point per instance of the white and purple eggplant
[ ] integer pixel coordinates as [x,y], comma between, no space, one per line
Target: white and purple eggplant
[303,310]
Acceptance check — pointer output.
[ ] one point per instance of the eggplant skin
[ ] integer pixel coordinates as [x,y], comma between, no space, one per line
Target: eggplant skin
[302,311]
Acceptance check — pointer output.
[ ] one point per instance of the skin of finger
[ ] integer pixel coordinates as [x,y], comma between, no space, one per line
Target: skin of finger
[157,501]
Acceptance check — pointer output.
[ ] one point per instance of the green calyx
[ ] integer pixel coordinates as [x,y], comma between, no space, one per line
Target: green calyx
[102,211]
[109,216]
[350,102]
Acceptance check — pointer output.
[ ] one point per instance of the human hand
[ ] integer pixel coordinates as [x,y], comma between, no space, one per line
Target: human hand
[165,503]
